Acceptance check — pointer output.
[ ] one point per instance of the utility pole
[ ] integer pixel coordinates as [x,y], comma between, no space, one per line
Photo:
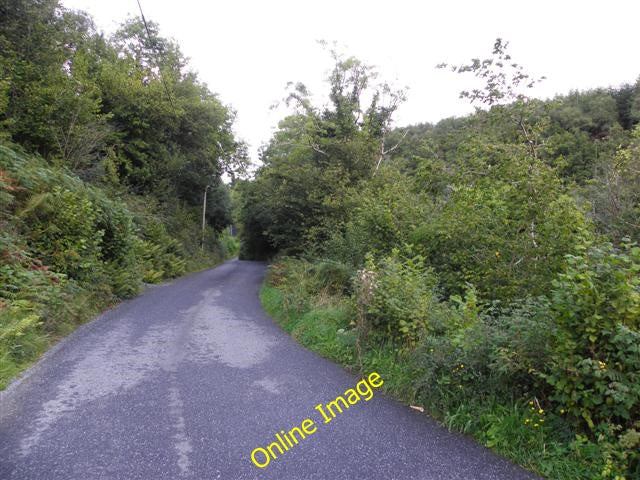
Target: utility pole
[204,213]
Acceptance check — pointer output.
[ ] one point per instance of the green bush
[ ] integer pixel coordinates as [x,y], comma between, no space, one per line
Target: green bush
[521,339]
[397,295]
[119,244]
[595,372]
[468,351]
[23,277]
[229,245]
[332,276]
[383,214]
[294,276]
[506,233]
[161,255]
[21,337]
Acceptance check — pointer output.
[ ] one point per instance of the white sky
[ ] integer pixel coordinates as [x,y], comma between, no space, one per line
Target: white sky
[247,50]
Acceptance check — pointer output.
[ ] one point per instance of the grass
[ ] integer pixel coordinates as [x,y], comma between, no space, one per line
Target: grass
[510,428]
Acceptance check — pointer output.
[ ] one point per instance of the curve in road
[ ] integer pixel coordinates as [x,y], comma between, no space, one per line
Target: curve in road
[186,380]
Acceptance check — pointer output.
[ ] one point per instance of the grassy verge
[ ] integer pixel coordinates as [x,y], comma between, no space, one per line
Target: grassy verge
[519,430]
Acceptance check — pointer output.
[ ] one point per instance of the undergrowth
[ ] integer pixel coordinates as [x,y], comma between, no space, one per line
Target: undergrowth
[487,376]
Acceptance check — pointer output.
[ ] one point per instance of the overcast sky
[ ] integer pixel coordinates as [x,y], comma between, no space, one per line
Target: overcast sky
[246,50]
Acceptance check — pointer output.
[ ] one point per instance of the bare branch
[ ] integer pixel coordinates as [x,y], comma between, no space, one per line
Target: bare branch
[385,152]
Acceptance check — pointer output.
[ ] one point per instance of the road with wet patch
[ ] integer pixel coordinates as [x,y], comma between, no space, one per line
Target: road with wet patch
[188,379]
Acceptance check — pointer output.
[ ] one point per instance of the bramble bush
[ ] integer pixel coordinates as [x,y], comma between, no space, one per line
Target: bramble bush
[595,369]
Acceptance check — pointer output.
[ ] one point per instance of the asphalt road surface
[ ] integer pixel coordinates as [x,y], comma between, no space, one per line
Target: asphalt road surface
[188,379]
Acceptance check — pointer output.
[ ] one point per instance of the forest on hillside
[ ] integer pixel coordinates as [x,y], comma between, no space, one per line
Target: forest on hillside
[108,147]
[486,266]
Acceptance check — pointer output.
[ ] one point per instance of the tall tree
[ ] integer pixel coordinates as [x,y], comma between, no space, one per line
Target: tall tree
[318,154]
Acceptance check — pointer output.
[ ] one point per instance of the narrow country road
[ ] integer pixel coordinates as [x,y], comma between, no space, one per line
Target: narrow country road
[188,379]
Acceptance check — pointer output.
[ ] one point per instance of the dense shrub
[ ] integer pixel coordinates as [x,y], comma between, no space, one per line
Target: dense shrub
[294,276]
[229,245]
[595,370]
[507,233]
[484,369]
[383,214]
[399,292]
[471,351]
[161,255]
[332,276]
[614,192]
[118,247]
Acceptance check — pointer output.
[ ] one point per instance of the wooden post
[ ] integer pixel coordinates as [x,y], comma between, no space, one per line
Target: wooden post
[204,212]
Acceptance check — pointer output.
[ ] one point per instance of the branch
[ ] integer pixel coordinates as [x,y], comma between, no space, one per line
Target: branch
[295,144]
[317,149]
[384,152]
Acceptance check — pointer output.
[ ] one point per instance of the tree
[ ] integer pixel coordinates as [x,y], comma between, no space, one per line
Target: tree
[615,193]
[49,97]
[505,82]
[318,154]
